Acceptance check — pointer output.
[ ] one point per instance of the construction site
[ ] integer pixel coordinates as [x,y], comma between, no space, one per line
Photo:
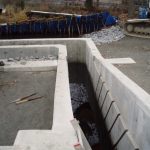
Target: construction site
[74,75]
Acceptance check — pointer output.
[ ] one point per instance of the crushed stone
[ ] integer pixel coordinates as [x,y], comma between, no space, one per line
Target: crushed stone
[106,35]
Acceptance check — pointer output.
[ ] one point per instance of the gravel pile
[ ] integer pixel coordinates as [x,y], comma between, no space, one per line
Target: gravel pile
[108,35]
[79,98]
[78,95]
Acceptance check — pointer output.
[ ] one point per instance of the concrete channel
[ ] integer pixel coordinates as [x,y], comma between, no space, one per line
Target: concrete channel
[123,105]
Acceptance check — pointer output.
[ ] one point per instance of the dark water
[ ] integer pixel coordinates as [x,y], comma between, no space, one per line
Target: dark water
[88,112]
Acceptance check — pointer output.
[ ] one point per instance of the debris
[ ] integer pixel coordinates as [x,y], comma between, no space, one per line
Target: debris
[83,112]
[108,35]
[10,60]
[23,98]
[8,83]
[78,95]
[26,99]
[17,58]
[94,137]
[2,63]
[23,62]
[37,57]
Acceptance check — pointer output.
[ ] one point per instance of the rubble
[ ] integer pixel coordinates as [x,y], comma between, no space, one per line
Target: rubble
[83,112]
[78,95]
[10,60]
[106,35]
[2,63]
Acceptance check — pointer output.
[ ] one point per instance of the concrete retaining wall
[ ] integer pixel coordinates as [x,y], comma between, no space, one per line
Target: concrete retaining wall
[75,47]
[28,51]
[21,57]
[62,115]
[124,105]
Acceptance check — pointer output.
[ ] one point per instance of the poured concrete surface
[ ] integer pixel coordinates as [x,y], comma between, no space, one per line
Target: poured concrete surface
[136,48]
[36,114]
[47,65]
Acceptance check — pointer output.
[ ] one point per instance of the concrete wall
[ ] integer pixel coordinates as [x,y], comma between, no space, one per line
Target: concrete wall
[62,135]
[124,105]
[28,51]
[75,47]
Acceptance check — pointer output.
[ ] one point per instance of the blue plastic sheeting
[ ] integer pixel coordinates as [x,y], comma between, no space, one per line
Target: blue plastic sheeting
[108,20]
[4,29]
[83,24]
[74,25]
[105,15]
[62,25]
[13,28]
[44,26]
[37,27]
[24,28]
[143,12]
[53,27]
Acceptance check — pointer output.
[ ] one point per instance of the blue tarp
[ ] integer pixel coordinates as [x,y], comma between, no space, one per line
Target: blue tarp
[143,12]
[85,24]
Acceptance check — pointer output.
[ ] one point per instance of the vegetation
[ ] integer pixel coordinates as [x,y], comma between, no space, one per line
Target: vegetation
[15,11]
[89,4]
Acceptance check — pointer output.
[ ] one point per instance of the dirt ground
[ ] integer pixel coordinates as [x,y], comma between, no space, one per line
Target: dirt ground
[136,48]
[37,114]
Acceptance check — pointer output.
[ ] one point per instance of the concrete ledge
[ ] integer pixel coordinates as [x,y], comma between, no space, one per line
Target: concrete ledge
[14,148]
[44,140]
[120,61]
[23,51]
[48,65]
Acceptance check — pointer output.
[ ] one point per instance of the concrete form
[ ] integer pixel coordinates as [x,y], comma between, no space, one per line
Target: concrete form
[121,61]
[124,105]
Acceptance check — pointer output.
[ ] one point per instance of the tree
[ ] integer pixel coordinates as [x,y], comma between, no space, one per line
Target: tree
[89,4]
[131,8]
[6,2]
[20,3]
[97,3]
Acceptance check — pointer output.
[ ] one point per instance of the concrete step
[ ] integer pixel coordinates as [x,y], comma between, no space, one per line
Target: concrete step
[15,148]
[47,65]
[45,140]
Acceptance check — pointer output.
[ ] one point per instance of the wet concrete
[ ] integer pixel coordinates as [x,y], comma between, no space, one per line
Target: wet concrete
[88,113]
[37,114]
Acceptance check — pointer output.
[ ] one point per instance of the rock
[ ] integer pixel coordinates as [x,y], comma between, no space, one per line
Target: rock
[31,57]
[23,62]
[79,95]
[108,35]
[10,60]
[37,57]
[18,58]
[2,63]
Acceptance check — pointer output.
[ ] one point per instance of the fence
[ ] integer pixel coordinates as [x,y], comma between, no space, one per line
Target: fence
[68,26]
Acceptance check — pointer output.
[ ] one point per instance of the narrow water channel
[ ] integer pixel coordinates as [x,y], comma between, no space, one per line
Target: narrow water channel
[85,107]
